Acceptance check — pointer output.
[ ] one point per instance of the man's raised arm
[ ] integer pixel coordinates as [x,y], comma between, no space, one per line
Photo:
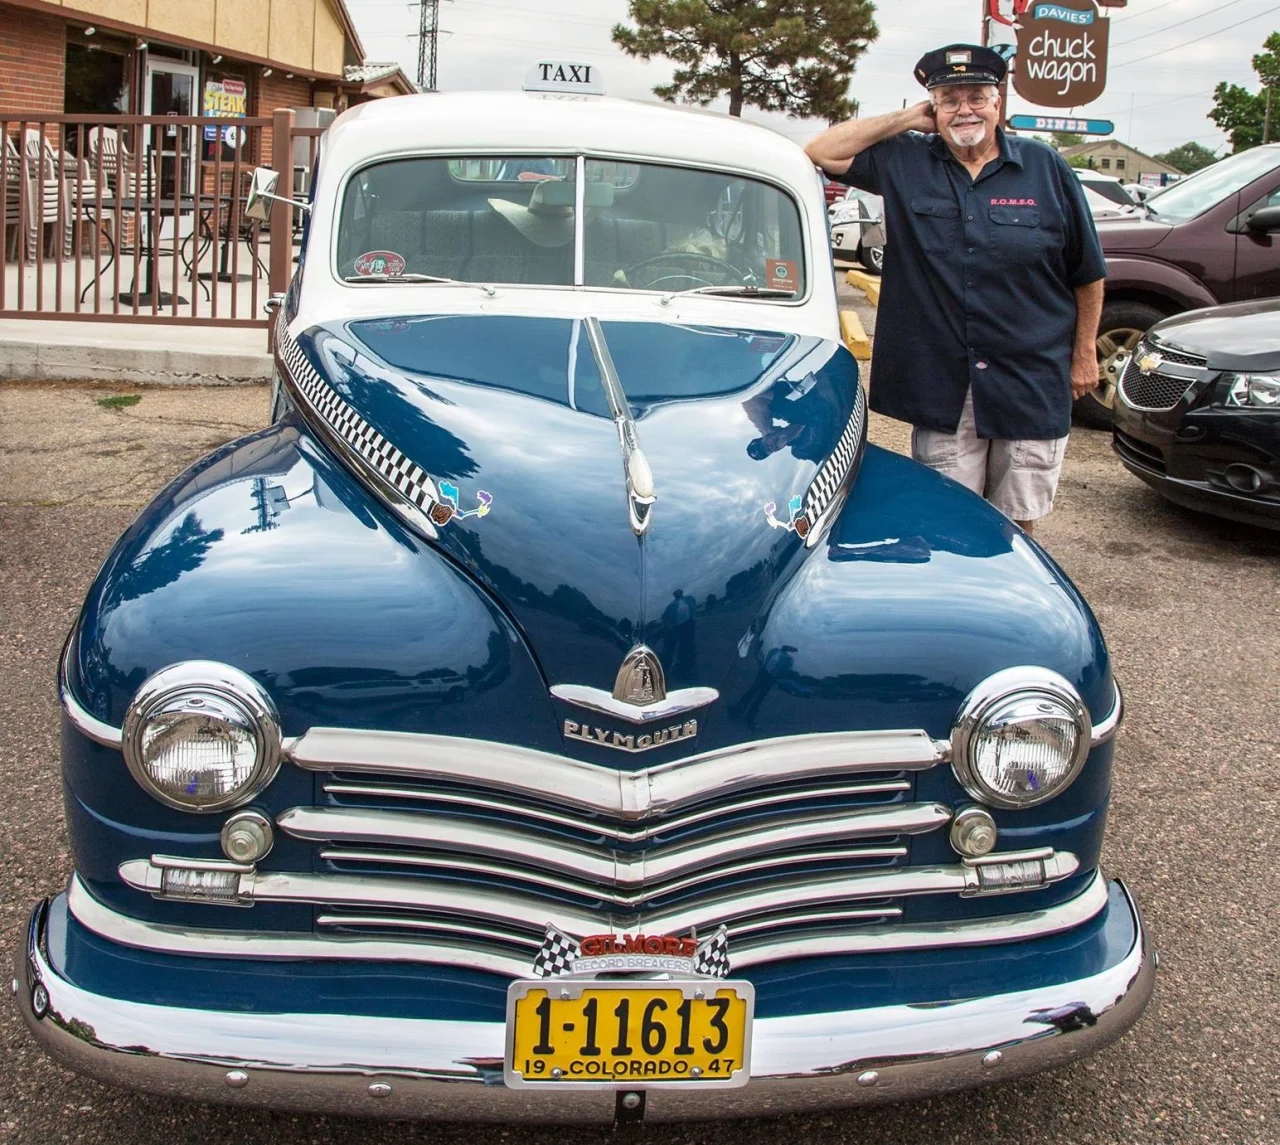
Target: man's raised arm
[836,147]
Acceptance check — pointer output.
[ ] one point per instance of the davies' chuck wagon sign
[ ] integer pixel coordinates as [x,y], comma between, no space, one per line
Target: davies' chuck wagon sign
[1062,53]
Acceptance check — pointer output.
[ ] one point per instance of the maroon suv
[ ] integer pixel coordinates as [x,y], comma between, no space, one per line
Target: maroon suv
[1211,238]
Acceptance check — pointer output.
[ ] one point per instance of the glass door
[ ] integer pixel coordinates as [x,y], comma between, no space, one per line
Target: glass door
[171,90]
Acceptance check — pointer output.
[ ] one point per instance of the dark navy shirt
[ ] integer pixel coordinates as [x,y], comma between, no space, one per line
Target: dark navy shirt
[979,284]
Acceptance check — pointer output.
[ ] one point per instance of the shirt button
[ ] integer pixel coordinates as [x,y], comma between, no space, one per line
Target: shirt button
[971,250]
[970,218]
[981,365]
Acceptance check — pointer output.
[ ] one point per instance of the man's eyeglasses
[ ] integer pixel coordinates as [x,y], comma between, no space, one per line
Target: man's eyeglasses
[977,101]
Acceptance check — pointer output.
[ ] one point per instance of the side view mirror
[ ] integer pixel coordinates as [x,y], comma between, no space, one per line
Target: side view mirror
[1264,221]
[257,203]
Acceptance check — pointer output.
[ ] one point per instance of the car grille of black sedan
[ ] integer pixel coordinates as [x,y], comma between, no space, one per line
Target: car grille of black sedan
[1155,391]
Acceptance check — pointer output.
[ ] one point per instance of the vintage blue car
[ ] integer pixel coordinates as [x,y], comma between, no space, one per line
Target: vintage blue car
[559,712]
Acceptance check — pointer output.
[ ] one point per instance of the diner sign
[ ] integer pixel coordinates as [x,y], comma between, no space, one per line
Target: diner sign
[1062,53]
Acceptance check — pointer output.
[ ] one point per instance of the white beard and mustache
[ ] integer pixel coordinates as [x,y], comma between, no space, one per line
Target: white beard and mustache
[967,134]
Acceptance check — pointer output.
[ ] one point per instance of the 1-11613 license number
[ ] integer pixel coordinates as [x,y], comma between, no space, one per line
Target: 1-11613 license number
[623,1033]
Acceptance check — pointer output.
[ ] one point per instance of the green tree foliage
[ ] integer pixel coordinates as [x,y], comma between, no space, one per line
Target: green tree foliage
[1188,158]
[1242,114]
[1060,139]
[795,56]
[1085,161]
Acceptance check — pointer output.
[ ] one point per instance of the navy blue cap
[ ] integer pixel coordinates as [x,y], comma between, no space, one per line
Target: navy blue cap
[960,63]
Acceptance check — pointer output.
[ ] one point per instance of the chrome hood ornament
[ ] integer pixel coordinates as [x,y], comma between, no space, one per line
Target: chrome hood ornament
[639,692]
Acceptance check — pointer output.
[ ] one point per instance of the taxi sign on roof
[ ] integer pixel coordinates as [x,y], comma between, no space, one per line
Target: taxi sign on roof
[564,76]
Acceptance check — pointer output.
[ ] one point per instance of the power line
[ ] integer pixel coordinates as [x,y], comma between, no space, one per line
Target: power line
[1170,27]
[1206,36]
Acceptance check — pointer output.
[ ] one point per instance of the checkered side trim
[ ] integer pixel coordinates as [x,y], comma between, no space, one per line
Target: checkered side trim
[712,956]
[557,954]
[835,470]
[401,473]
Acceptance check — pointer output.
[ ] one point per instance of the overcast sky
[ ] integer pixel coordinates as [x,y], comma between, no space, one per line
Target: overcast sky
[1166,55]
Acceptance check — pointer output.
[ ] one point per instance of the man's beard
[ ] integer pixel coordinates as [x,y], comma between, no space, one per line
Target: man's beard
[969,134]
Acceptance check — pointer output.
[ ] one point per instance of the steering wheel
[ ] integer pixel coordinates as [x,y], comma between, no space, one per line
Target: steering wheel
[680,258]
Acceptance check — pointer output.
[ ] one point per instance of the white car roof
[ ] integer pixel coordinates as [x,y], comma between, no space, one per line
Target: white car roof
[495,122]
[526,123]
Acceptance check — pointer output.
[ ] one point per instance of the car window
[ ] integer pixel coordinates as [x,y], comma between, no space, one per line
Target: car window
[511,219]
[1195,194]
[681,229]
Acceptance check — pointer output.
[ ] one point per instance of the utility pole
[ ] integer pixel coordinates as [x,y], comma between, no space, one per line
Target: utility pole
[428,29]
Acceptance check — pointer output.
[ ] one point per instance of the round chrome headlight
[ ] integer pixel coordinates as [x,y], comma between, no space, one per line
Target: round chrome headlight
[202,736]
[1021,738]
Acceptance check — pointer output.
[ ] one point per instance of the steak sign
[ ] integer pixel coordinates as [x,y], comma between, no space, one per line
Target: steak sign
[1062,53]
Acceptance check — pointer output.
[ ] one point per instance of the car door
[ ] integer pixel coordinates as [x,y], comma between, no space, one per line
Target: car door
[1258,255]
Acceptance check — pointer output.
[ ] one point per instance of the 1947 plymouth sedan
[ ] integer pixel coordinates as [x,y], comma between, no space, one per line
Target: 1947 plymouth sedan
[559,712]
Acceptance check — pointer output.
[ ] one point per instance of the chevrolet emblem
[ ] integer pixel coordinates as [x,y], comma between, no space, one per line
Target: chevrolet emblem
[1150,363]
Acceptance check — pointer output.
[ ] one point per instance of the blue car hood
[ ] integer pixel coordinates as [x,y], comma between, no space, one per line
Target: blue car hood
[508,417]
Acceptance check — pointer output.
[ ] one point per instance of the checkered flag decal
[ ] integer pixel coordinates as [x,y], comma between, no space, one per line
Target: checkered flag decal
[556,955]
[392,466]
[712,956]
[831,476]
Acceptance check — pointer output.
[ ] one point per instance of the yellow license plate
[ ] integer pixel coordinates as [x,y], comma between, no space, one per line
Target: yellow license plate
[599,1034]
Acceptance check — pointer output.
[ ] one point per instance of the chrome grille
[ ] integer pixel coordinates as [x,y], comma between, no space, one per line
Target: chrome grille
[1154,391]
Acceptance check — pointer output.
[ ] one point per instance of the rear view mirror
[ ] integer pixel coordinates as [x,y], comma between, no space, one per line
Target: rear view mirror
[1264,221]
[262,193]
[257,204]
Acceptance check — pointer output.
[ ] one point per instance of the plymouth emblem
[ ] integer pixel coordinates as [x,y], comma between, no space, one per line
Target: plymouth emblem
[609,953]
[1149,363]
[640,679]
[624,741]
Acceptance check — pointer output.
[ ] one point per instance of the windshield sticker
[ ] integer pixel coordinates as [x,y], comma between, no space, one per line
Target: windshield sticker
[446,509]
[781,274]
[379,262]
[796,522]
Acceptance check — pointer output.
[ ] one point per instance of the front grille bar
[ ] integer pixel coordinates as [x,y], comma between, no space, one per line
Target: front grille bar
[627,795]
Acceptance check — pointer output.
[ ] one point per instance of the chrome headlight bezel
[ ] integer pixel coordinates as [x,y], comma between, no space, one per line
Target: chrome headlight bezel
[995,691]
[220,689]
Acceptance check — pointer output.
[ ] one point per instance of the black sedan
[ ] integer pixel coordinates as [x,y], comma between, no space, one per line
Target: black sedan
[1197,411]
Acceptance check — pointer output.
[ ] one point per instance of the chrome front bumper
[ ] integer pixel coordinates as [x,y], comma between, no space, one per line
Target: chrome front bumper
[452,1071]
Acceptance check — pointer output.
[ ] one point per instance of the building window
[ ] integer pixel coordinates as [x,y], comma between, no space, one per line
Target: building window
[1119,164]
[97,79]
[1106,164]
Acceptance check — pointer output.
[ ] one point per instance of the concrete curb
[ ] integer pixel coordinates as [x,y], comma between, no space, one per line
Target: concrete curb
[133,354]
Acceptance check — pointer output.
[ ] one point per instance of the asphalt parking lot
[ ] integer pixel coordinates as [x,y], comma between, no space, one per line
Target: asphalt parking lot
[1191,609]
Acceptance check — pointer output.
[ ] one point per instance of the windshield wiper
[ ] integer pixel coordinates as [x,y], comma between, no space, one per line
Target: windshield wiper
[745,290]
[358,278]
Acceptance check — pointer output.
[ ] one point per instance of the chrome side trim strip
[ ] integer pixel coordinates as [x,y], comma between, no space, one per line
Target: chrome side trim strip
[86,724]
[473,801]
[526,849]
[1107,727]
[746,950]
[504,909]
[590,787]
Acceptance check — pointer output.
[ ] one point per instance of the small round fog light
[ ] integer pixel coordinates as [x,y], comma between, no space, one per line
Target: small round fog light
[973,832]
[247,837]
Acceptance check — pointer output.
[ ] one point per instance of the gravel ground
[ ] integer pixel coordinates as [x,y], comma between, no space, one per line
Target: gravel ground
[1191,609]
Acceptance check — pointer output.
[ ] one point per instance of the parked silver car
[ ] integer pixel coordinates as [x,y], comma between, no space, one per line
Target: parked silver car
[857,228]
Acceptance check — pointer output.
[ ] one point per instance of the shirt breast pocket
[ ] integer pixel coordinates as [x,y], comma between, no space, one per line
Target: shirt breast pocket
[937,224]
[1017,236]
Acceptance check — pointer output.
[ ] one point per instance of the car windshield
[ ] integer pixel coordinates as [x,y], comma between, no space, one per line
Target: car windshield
[1197,193]
[511,219]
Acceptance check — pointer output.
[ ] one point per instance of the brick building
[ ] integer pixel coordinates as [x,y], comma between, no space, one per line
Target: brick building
[189,57]
[1112,157]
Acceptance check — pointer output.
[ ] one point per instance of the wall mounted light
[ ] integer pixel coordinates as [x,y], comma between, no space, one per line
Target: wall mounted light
[216,60]
[266,71]
[89,31]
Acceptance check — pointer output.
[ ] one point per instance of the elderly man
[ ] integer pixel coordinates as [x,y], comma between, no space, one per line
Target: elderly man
[992,282]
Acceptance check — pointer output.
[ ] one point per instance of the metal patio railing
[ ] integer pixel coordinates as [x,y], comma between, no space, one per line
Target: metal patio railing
[141,218]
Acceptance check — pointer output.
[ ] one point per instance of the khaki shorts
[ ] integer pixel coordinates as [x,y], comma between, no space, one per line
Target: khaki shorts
[1018,477]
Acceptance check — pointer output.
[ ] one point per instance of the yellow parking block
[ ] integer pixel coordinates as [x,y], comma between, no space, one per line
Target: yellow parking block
[868,284]
[854,336]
